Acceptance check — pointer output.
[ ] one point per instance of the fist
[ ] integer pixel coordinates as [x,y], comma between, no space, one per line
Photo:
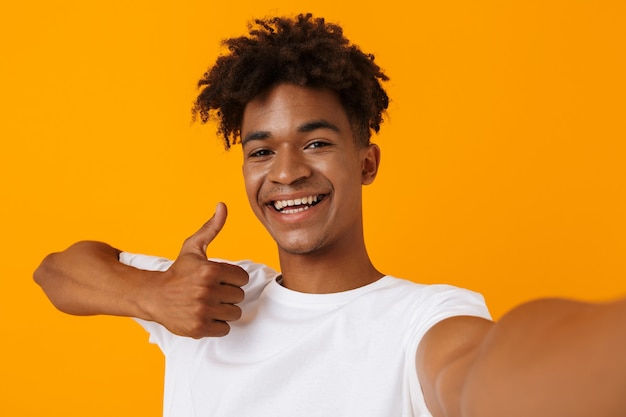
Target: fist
[196,297]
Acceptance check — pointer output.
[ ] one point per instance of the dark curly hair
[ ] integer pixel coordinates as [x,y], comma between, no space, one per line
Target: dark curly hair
[304,51]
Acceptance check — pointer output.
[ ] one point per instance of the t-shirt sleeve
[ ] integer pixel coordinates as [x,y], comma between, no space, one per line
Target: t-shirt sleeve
[158,333]
[440,302]
[259,274]
[437,303]
[146,262]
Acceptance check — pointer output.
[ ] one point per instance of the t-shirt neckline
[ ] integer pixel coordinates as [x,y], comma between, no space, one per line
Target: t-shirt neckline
[285,295]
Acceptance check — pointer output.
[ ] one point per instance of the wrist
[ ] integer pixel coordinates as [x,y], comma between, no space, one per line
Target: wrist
[144,295]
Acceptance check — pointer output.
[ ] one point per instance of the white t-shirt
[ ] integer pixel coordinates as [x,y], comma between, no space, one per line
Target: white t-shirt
[308,355]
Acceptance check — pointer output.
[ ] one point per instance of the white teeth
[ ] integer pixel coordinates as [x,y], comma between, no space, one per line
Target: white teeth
[297,210]
[281,204]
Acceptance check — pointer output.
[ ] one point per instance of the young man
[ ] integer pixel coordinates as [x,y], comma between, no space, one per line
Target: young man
[330,335]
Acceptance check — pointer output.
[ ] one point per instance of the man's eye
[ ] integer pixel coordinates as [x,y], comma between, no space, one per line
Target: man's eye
[260,152]
[317,144]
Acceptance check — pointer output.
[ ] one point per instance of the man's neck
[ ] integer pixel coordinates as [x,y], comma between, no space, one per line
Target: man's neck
[327,272]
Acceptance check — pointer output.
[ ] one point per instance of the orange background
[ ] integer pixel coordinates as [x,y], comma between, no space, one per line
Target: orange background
[503,163]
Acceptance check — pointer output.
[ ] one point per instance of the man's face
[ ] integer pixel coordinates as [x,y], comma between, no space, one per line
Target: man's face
[302,169]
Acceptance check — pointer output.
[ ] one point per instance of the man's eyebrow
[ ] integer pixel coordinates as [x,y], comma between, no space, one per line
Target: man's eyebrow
[256,135]
[303,128]
[318,124]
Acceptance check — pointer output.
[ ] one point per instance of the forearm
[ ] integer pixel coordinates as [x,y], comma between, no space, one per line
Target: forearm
[551,358]
[87,279]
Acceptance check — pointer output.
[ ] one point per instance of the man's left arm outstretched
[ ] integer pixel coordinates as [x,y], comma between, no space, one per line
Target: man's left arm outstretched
[549,357]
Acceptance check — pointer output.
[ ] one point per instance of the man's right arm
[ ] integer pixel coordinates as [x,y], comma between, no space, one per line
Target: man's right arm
[87,279]
[194,297]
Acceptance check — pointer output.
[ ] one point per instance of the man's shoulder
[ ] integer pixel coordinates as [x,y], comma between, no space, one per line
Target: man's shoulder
[430,289]
[436,299]
[260,274]
[251,267]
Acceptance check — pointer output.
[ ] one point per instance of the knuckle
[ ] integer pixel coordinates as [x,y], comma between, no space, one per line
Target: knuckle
[237,274]
[237,313]
[209,270]
[201,313]
[241,295]
[196,335]
[246,277]
[231,312]
[210,323]
[196,330]
[188,242]
[220,329]
[202,294]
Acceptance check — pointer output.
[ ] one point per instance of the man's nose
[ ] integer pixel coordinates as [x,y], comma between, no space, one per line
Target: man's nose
[288,167]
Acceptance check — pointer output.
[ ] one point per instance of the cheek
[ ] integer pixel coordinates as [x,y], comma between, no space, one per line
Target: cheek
[252,183]
[346,173]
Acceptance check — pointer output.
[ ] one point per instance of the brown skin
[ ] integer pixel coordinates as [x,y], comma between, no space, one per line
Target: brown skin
[297,142]
[551,358]
[194,297]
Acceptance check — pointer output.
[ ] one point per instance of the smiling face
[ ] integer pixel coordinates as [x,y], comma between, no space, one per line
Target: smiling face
[303,171]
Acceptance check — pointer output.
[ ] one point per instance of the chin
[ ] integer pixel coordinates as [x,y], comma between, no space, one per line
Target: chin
[300,248]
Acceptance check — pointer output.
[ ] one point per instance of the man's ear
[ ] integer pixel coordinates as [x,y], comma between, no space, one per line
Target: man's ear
[370,163]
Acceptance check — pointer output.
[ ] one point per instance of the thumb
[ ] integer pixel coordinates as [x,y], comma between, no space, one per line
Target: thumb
[199,241]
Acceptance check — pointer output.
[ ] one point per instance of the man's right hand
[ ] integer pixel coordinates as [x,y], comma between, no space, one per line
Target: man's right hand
[196,297]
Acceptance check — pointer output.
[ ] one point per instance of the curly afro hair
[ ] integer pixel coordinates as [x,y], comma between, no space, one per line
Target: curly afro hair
[304,51]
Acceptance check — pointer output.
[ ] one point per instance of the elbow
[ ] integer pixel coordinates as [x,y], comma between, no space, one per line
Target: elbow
[43,274]
[48,277]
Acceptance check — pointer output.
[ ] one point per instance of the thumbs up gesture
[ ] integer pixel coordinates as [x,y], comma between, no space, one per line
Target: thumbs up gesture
[197,297]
